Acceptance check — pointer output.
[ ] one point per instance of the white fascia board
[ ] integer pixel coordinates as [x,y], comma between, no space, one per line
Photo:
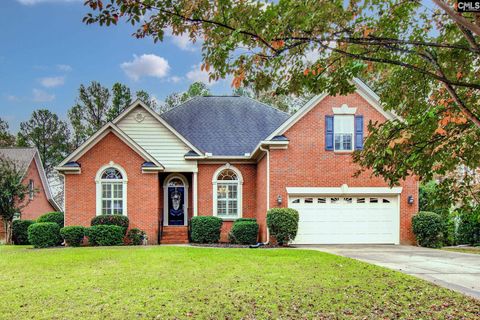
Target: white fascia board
[139,102]
[43,178]
[301,191]
[297,115]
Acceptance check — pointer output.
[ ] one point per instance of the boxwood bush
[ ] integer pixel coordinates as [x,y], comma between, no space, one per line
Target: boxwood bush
[111,219]
[244,231]
[206,229]
[105,235]
[283,224]
[44,234]
[73,235]
[57,217]
[20,231]
[135,237]
[428,228]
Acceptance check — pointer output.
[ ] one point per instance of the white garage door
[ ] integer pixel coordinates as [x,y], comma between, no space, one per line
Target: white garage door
[346,220]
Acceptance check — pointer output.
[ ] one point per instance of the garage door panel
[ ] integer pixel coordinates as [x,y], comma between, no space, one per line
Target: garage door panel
[347,221]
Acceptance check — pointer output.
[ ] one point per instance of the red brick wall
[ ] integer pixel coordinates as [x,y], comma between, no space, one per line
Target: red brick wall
[36,207]
[306,163]
[205,192]
[39,205]
[262,198]
[142,188]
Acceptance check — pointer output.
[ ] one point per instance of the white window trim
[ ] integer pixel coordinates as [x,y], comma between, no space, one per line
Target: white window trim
[335,132]
[239,191]
[169,178]
[98,182]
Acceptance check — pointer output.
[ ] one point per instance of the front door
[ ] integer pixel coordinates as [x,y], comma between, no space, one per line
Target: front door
[176,196]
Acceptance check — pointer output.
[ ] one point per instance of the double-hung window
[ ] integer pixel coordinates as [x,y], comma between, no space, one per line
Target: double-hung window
[227,194]
[343,132]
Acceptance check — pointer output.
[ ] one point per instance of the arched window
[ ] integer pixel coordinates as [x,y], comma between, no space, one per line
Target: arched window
[111,190]
[227,184]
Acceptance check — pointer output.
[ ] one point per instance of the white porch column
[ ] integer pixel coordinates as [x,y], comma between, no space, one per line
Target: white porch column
[195,194]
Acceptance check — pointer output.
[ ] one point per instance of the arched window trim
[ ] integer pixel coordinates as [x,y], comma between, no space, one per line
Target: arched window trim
[239,183]
[99,180]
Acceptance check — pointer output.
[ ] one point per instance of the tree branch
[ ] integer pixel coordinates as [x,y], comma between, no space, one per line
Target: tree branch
[457,17]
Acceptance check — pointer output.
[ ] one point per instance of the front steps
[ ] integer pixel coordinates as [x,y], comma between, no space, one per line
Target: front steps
[174,235]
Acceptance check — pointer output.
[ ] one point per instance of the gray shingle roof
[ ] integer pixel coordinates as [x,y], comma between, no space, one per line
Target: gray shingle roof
[225,125]
[21,156]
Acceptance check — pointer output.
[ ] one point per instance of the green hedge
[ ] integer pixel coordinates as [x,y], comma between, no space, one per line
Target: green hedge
[105,235]
[73,235]
[111,219]
[206,229]
[428,227]
[44,234]
[468,231]
[135,236]
[283,224]
[20,231]
[244,232]
[57,217]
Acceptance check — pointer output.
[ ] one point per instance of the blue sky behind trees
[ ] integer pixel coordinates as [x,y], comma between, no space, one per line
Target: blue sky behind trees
[46,52]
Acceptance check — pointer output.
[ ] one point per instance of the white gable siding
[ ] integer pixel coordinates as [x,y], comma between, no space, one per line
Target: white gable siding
[157,140]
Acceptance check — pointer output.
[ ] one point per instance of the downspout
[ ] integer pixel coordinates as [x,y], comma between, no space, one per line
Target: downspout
[268,199]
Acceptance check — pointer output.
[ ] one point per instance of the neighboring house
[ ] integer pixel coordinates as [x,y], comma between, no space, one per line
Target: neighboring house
[40,198]
[235,157]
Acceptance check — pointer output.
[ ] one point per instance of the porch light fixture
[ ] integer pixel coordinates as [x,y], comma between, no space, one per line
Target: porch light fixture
[279,199]
[410,199]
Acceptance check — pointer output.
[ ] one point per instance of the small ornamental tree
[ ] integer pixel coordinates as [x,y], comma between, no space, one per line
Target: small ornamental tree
[13,194]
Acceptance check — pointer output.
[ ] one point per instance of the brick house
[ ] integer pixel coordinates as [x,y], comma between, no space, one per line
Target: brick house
[235,157]
[40,199]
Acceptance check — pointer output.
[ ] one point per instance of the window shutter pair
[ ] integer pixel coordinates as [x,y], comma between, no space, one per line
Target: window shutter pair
[358,133]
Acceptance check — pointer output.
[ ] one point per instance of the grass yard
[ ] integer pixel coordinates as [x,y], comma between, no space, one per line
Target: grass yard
[474,250]
[161,282]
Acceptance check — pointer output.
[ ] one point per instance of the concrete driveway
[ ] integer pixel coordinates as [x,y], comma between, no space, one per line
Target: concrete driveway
[456,271]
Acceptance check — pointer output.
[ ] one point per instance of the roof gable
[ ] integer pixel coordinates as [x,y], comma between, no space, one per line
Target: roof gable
[361,88]
[24,157]
[99,135]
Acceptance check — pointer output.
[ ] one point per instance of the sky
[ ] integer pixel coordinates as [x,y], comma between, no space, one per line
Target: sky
[46,52]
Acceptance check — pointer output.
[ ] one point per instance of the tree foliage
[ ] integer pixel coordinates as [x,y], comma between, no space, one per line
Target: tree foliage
[48,134]
[423,61]
[13,194]
[6,138]
[96,105]
[194,90]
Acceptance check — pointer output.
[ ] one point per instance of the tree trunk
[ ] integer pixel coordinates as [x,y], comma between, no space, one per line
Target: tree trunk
[8,231]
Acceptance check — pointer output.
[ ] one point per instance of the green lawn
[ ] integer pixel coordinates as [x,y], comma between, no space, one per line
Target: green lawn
[161,282]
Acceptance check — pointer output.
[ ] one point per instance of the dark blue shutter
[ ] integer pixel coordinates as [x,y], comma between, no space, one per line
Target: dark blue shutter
[358,132]
[328,132]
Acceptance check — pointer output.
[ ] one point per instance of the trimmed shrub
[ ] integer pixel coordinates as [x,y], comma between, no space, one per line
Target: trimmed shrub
[428,227]
[44,234]
[57,217]
[105,235]
[244,232]
[283,224]
[111,219]
[206,229]
[469,228]
[20,231]
[135,236]
[73,235]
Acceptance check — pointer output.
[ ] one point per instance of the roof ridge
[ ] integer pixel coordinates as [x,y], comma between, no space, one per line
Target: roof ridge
[267,105]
